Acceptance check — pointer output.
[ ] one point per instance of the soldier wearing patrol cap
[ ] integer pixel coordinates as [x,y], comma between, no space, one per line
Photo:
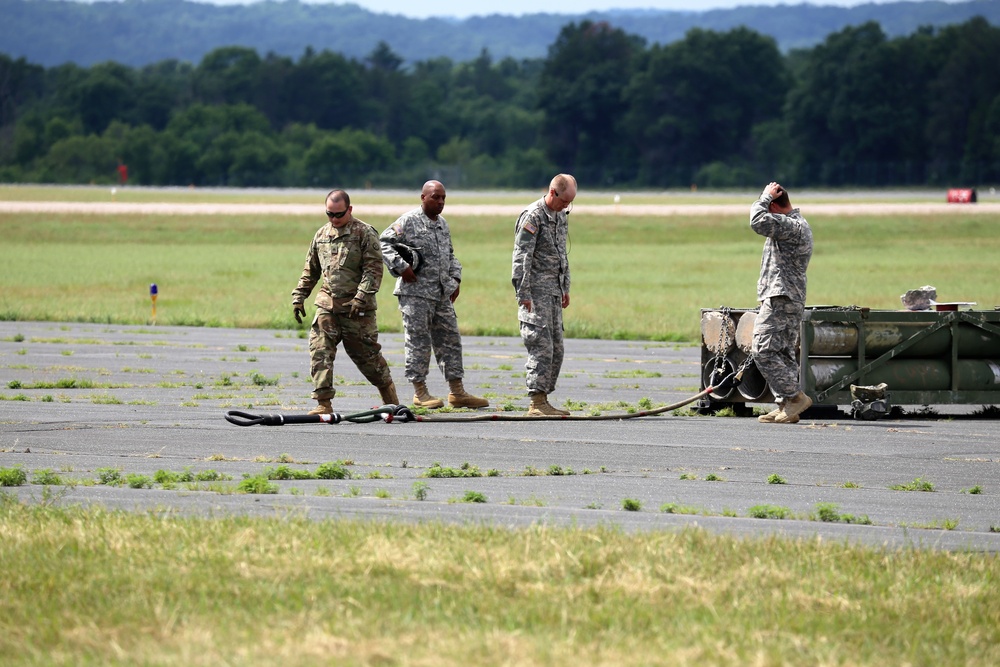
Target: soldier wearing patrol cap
[540,275]
[417,249]
[346,258]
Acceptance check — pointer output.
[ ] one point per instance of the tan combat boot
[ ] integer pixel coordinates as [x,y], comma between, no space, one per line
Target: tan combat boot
[794,406]
[772,415]
[423,399]
[540,407]
[388,393]
[458,398]
[324,407]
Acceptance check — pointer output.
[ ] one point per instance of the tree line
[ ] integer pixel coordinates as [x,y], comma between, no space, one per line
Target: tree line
[715,109]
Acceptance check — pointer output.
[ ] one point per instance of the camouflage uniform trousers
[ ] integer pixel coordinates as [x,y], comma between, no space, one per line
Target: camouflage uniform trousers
[431,324]
[543,338]
[360,338]
[775,343]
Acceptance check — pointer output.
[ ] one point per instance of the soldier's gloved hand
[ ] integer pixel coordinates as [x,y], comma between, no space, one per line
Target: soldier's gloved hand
[408,275]
[299,311]
[357,307]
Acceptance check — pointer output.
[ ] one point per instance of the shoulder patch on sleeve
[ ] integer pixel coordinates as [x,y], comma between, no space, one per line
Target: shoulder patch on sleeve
[530,227]
[397,228]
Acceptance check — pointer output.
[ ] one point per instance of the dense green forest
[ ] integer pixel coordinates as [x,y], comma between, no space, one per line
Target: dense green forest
[715,109]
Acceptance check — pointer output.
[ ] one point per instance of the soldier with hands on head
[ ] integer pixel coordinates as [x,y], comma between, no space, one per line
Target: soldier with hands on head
[418,249]
[345,258]
[781,291]
[540,276]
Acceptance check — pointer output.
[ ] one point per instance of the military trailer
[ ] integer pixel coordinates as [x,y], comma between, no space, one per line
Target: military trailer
[867,360]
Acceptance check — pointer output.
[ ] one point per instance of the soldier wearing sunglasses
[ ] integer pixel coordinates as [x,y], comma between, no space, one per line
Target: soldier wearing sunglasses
[346,259]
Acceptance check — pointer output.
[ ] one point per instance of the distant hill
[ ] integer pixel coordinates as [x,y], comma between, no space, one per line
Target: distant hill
[139,32]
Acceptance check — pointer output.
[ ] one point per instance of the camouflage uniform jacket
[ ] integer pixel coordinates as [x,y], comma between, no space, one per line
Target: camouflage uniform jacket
[348,260]
[787,251]
[439,272]
[540,261]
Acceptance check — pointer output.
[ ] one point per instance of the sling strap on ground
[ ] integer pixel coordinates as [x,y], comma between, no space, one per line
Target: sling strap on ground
[401,413]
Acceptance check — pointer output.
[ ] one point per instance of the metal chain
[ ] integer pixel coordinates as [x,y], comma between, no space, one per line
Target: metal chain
[720,352]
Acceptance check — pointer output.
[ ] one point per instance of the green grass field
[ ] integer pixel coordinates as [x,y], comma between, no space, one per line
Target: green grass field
[97,587]
[633,277]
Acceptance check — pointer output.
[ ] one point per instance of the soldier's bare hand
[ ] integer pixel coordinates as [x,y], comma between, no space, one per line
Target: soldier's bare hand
[454,295]
[408,275]
[565,301]
[527,304]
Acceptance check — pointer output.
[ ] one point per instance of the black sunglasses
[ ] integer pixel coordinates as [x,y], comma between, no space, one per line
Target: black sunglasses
[338,216]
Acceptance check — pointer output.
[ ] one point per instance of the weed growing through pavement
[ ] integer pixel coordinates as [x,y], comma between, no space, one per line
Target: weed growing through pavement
[918,484]
[828,512]
[110,476]
[768,512]
[382,493]
[938,524]
[850,485]
[775,478]
[137,481]
[675,508]
[46,476]
[333,470]
[256,484]
[13,476]
[976,490]
[712,477]
[420,490]
[187,475]
[631,505]
[466,470]
[473,497]
[285,472]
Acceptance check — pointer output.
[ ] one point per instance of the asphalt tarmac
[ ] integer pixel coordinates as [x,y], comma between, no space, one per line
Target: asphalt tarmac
[79,398]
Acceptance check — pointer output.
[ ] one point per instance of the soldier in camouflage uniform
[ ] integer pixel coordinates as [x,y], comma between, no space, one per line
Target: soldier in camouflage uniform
[427,294]
[345,255]
[541,282]
[781,291]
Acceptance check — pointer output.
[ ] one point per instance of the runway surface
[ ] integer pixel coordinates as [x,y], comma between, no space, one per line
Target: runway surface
[80,398]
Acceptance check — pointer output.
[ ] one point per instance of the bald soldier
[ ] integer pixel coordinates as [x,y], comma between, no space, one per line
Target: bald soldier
[417,249]
[540,276]
[345,258]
